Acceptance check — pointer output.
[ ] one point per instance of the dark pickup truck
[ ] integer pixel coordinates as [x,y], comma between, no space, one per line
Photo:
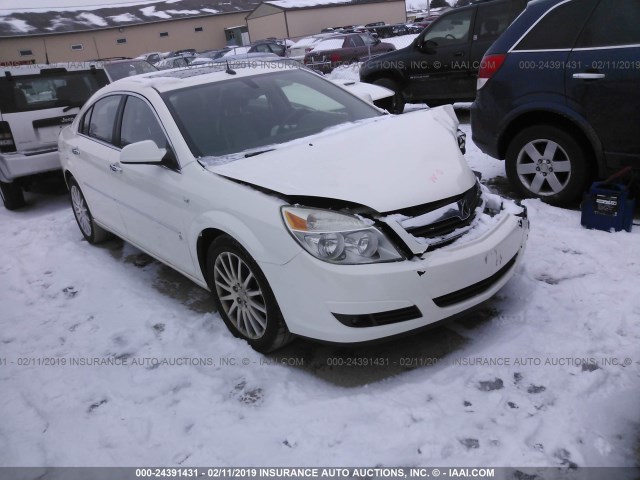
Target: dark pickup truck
[441,65]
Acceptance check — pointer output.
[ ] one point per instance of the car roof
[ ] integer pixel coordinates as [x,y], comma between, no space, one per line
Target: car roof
[178,78]
[36,68]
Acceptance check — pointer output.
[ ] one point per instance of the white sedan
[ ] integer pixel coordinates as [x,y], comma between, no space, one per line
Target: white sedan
[304,209]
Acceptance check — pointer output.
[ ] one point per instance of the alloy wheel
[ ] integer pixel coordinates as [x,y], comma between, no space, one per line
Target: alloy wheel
[543,167]
[80,210]
[240,295]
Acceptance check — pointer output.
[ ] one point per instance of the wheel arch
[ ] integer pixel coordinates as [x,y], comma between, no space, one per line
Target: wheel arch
[388,74]
[67,177]
[212,225]
[578,128]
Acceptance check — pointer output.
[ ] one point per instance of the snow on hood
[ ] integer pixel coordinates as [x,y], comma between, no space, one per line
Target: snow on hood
[390,163]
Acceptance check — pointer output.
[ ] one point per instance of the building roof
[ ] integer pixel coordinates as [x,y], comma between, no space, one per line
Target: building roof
[24,21]
[303,4]
[270,7]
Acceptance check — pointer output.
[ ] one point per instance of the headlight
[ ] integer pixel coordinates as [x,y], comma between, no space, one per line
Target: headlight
[338,238]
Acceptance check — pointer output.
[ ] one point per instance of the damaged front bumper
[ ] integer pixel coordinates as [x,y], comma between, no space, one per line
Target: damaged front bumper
[358,303]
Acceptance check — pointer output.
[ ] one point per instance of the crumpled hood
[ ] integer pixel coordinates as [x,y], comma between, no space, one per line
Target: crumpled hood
[391,163]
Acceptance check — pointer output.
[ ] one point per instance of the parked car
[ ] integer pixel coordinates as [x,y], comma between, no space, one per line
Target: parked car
[366,91]
[36,102]
[303,46]
[442,63]
[213,54]
[29,124]
[120,67]
[153,57]
[232,180]
[344,49]
[268,46]
[243,59]
[172,62]
[236,51]
[558,96]
[185,52]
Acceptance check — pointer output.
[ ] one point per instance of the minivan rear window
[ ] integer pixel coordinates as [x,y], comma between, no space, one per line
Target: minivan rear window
[559,28]
[45,90]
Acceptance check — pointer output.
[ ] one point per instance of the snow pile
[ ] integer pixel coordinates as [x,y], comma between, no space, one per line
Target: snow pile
[124,17]
[548,374]
[151,12]
[91,19]
[304,3]
[17,25]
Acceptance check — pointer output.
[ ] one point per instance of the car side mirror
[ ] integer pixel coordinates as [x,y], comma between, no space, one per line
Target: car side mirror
[145,151]
[376,40]
[428,46]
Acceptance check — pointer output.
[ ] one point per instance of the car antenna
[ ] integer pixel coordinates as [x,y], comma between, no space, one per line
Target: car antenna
[229,70]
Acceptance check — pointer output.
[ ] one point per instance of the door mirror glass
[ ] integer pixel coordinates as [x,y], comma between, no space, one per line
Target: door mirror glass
[145,151]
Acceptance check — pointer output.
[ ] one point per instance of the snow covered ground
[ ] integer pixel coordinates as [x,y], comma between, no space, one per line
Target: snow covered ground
[547,374]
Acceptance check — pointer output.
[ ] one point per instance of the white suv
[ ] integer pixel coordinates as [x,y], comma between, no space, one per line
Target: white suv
[36,102]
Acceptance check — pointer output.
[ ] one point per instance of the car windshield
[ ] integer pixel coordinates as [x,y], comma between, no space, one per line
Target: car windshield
[247,114]
[120,70]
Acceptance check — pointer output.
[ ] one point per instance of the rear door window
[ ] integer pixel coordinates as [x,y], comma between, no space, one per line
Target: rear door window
[83,126]
[559,28]
[44,90]
[613,23]
[354,41]
[491,21]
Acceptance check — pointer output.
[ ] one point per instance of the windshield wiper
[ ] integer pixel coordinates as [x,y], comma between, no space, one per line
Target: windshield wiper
[258,152]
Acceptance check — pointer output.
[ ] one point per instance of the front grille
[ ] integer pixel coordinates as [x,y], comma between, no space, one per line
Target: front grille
[444,220]
[380,318]
[475,289]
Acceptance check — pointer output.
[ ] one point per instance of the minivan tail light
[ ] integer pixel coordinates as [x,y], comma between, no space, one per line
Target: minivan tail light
[6,138]
[488,67]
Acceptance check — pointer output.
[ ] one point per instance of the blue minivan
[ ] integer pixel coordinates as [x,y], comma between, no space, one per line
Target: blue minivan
[559,96]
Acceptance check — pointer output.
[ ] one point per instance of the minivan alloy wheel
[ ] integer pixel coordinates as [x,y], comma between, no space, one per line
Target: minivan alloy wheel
[240,295]
[544,167]
[549,163]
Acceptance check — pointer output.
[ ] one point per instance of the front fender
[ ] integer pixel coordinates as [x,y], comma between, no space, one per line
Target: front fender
[267,242]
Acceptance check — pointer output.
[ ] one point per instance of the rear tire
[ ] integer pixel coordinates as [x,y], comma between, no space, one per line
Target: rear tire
[548,163]
[92,232]
[12,195]
[394,104]
[243,296]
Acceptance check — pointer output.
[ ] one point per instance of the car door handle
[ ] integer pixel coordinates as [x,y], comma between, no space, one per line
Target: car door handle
[588,76]
[115,167]
[458,54]
[75,151]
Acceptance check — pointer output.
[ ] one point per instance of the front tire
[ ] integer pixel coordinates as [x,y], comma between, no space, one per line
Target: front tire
[12,195]
[92,232]
[548,163]
[243,297]
[394,104]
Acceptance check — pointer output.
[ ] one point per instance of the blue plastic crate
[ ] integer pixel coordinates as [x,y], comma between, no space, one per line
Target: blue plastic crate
[608,206]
